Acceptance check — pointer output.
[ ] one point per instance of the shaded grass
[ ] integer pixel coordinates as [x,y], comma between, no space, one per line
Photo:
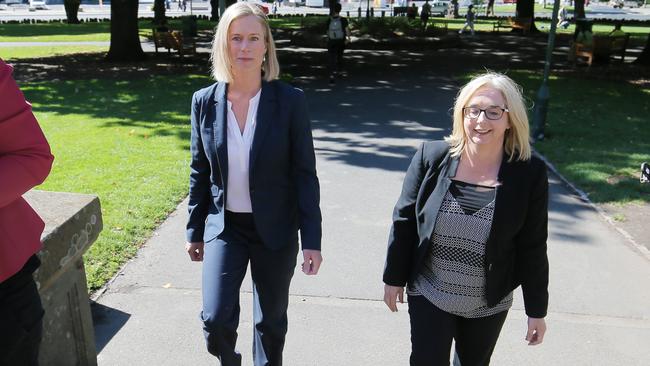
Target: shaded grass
[125,141]
[597,134]
[13,53]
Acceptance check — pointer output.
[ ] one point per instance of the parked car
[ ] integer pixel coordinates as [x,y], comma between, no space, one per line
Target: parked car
[616,4]
[38,4]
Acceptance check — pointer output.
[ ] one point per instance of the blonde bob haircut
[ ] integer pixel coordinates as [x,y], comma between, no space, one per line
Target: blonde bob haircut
[517,141]
[221,65]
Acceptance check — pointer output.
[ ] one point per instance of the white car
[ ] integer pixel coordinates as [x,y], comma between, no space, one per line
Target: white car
[38,4]
[438,7]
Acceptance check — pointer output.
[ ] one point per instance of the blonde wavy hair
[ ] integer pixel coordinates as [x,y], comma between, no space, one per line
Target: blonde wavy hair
[221,63]
[517,137]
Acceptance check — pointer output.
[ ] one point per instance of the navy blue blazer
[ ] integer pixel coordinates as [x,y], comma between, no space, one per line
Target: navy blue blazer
[284,188]
[515,253]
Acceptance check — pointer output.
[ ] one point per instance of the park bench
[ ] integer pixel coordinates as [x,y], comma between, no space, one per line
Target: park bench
[602,49]
[399,10]
[513,23]
[173,40]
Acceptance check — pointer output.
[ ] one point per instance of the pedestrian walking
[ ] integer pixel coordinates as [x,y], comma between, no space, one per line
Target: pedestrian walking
[469,227]
[469,20]
[253,187]
[25,162]
[338,33]
[489,10]
[424,14]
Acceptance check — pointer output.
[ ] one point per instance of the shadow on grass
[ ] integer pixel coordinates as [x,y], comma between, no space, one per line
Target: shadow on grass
[158,104]
[597,134]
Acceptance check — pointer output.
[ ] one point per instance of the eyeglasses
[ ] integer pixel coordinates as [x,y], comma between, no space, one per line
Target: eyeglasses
[491,113]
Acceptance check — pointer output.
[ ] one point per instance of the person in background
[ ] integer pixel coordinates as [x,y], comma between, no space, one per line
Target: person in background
[25,162]
[412,11]
[489,10]
[253,187]
[563,18]
[469,20]
[338,34]
[425,14]
[469,227]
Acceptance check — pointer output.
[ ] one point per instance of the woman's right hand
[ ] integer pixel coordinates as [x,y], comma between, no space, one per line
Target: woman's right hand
[391,295]
[195,250]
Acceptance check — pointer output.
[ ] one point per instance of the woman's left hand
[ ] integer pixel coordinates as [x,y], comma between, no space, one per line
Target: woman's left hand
[536,331]
[312,262]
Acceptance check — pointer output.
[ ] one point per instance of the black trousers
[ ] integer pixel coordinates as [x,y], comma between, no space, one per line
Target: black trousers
[225,261]
[21,317]
[335,49]
[432,331]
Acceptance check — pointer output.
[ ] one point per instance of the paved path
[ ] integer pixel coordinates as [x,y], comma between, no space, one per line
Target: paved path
[365,131]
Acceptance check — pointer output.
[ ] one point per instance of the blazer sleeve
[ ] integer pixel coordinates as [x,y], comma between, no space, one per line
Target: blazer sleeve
[25,157]
[404,238]
[303,170]
[532,260]
[199,195]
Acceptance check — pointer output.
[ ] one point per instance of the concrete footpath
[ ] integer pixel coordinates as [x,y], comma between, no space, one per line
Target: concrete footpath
[365,130]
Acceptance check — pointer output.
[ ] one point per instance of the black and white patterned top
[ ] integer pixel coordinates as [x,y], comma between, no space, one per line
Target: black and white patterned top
[453,274]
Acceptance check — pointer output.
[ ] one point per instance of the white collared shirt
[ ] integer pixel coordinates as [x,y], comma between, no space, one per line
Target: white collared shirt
[239,144]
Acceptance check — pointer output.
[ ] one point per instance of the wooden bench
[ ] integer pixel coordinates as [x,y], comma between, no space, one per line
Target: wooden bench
[173,40]
[602,48]
[399,10]
[513,23]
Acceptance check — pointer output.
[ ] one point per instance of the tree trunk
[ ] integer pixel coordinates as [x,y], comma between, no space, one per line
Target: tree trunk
[159,18]
[455,4]
[526,9]
[644,58]
[214,10]
[71,11]
[579,9]
[125,40]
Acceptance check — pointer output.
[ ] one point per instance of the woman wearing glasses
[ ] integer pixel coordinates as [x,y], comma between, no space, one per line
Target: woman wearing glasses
[469,227]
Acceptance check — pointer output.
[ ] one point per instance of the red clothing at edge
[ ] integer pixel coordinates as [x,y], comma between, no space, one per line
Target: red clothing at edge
[25,162]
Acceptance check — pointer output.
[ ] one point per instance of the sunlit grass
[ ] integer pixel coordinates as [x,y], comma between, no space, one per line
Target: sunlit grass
[13,53]
[126,142]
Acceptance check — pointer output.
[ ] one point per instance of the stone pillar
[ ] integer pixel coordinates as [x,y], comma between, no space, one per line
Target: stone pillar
[72,223]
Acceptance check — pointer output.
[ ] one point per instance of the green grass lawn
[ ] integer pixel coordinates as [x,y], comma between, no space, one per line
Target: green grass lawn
[128,143]
[13,53]
[83,32]
[597,134]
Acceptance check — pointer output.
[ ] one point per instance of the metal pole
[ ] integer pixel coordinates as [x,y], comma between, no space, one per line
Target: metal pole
[543,95]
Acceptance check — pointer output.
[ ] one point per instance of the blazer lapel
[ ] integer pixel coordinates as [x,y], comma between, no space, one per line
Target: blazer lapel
[503,200]
[265,113]
[220,128]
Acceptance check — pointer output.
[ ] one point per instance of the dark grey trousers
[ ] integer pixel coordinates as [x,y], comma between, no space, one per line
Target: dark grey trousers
[224,266]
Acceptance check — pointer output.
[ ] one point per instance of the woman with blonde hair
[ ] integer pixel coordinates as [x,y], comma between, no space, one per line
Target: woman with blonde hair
[253,187]
[469,227]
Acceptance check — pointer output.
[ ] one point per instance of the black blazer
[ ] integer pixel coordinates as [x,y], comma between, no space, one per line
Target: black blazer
[516,247]
[284,187]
